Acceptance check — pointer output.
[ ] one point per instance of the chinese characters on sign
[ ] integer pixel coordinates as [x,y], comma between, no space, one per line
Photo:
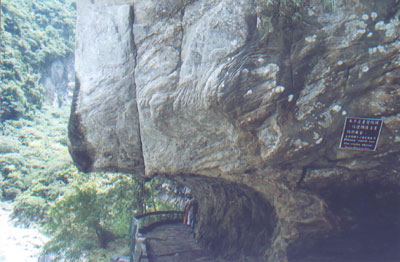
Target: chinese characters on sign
[361,133]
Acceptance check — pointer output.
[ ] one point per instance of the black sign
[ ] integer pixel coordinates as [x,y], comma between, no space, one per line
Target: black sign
[361,133]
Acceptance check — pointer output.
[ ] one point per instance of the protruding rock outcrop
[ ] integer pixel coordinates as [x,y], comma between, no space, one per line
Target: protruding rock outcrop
[244,101]
[105,122]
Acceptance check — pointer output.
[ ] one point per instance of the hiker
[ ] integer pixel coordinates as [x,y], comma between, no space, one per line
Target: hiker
[187,207]
[193,212]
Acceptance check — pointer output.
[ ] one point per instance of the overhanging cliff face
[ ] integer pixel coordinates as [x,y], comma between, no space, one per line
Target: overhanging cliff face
[250,96]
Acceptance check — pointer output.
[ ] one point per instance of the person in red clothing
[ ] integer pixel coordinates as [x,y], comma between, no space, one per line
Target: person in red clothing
[186,219]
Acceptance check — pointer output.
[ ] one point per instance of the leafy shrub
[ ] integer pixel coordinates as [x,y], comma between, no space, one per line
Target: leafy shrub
[10,193]
[30,208]
[95,209]
[33,161]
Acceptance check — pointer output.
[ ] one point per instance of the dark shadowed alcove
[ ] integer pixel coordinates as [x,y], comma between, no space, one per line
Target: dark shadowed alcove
[368,226]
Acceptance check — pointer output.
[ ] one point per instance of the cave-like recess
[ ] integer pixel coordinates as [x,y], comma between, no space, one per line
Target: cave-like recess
[368,226]
[236,221]
[233,220]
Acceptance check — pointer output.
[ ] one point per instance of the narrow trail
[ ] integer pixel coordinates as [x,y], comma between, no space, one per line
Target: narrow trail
[18,244]
[175,243]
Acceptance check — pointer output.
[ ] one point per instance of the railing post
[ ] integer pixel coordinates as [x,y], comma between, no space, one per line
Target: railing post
[133,229]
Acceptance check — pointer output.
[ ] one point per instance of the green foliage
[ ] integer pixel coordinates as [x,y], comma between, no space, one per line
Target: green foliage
[30,207]
[92,203]
[97,202]
[34,153]
[78,210]
[32,34]
[152,188]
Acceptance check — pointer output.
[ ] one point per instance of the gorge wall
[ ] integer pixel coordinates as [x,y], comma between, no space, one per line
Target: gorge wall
[58,80]
[244,101]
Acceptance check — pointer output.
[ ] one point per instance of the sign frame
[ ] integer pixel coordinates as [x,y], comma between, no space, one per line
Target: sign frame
[361,133]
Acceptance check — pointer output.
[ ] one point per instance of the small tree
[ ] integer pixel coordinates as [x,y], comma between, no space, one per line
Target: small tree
[96,210]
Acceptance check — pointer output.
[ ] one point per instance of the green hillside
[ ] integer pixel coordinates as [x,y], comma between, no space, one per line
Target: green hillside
[33,33]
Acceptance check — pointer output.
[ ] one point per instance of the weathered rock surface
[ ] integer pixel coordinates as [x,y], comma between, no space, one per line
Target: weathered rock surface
[58,80]
[244,101]
[101,137]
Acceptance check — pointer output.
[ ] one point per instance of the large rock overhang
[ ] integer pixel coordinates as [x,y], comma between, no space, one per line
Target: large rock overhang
[248,94]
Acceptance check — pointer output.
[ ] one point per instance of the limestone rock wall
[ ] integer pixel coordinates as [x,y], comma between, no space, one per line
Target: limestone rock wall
[248,96]
[105,98]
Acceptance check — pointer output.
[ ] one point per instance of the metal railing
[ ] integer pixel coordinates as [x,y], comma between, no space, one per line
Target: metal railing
[144,222]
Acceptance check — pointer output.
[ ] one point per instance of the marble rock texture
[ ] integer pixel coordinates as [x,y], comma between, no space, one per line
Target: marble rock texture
[244,101]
